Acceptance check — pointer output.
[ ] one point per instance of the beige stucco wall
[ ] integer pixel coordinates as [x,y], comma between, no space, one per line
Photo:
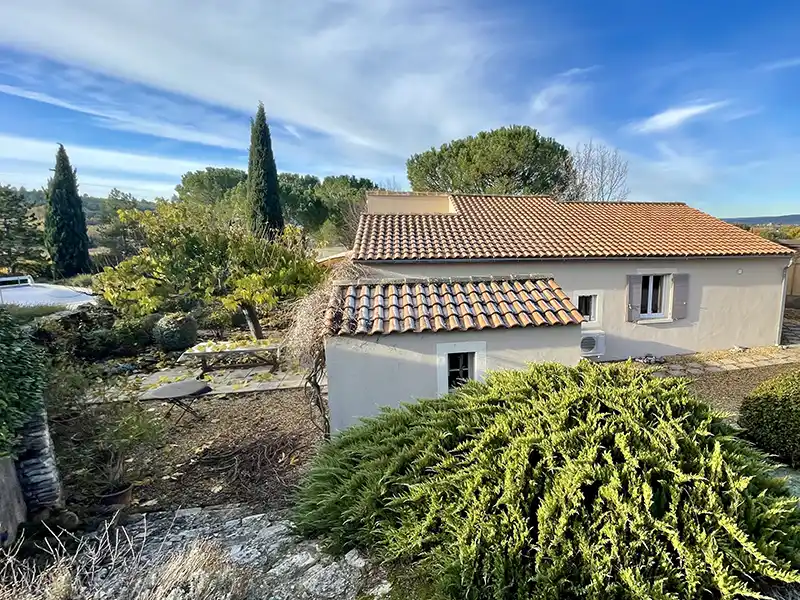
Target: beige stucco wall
[367,372]
[732,301]
[407,204]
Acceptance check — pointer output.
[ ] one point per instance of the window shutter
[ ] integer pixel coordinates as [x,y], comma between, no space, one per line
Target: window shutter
[634,297]
[680,296]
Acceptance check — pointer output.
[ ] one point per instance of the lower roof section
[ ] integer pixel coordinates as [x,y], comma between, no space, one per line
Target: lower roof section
[384,306]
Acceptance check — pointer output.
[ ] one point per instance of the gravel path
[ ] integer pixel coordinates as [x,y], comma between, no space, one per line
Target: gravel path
[726,390]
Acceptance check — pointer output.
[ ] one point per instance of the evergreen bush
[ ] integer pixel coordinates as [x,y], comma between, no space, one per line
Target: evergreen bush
[771,416]
[175,332]
[22,379]
[555,482]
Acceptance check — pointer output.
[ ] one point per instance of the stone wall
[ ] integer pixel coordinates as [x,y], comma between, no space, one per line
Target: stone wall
[36,465]
[12,504]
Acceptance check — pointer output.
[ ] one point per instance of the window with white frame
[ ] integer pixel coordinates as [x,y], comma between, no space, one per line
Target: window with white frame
[459,362]
[587,306]
[653,301]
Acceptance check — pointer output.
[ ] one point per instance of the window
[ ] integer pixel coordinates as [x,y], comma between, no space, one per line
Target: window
[653,292]
[460,368]
[587,306]
[457,362]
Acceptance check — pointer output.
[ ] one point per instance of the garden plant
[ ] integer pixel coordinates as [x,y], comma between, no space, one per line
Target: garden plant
[555,482]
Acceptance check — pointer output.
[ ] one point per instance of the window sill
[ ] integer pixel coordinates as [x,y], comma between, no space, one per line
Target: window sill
[654,320]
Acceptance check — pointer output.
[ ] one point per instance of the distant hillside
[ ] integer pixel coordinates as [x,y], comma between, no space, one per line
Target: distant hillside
[781,220]
[91,205]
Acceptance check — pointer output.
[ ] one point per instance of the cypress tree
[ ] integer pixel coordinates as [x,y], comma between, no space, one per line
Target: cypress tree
[263,192]
[65,235]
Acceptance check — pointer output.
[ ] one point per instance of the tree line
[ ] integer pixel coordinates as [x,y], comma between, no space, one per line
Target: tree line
[509,160]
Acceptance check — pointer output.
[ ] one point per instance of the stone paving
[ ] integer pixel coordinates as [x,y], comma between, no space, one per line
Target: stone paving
[227,381]
[283,565]
[703,364]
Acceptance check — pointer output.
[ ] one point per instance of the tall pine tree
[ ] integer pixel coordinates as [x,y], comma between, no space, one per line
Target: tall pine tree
[263,192]
[65,235]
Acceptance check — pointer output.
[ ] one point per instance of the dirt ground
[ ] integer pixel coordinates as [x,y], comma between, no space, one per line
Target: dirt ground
[249,448]
[726,390]
[792,314]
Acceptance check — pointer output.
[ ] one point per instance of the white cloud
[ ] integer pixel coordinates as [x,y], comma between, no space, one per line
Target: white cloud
[158,117]
[787,63]
[676,116]
[391,76]
[111,161]
[26,161]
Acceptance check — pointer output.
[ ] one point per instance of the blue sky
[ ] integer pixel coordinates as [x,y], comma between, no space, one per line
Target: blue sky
[700,97]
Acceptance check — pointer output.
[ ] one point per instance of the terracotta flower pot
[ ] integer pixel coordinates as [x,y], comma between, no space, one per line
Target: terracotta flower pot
[122,495]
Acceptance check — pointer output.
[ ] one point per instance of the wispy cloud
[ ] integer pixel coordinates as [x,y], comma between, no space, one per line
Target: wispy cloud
[394,77]
[786,63]
[122,107]
[25,161]
[676,116]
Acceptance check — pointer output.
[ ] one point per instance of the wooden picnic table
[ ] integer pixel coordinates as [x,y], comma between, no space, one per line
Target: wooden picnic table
[268,354]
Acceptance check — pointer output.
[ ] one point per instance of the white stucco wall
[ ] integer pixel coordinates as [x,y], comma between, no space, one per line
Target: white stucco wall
[367,372]
[732,301]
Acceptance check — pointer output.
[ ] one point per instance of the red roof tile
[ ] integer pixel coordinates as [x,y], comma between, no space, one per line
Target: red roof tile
[517,227]
[382,307]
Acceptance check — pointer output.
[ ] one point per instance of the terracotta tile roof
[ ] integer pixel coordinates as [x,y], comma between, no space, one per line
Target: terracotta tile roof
[374,307]
[517,227]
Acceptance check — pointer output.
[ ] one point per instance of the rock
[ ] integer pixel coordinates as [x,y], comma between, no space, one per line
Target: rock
[292,565]
[335,581]
[379,591]
[253,519]
[68,520]
[281,565]
[243,555]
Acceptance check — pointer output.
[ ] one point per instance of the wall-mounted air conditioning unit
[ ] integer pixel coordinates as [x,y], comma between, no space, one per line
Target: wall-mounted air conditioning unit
[593,343]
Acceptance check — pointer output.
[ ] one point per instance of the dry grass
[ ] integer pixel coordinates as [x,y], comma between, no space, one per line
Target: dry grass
[112,566]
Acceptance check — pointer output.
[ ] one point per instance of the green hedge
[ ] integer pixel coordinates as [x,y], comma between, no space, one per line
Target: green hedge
[588,482]
[22,379]
[771,416]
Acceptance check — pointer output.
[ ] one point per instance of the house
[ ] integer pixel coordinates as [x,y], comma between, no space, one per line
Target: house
[458,284]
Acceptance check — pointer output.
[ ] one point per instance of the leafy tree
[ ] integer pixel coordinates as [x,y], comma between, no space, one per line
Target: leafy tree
[65,235]
[20,238]
[344,197]
[189,255]
[209,185]
[263,191]
[302,204]
[113,234]
[509,160]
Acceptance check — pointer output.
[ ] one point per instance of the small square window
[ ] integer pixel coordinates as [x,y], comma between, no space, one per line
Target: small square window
[653,291]
[460,368]
[587,306]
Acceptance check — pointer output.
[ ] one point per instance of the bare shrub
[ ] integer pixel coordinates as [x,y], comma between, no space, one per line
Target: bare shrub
[595,173]
[305,340]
